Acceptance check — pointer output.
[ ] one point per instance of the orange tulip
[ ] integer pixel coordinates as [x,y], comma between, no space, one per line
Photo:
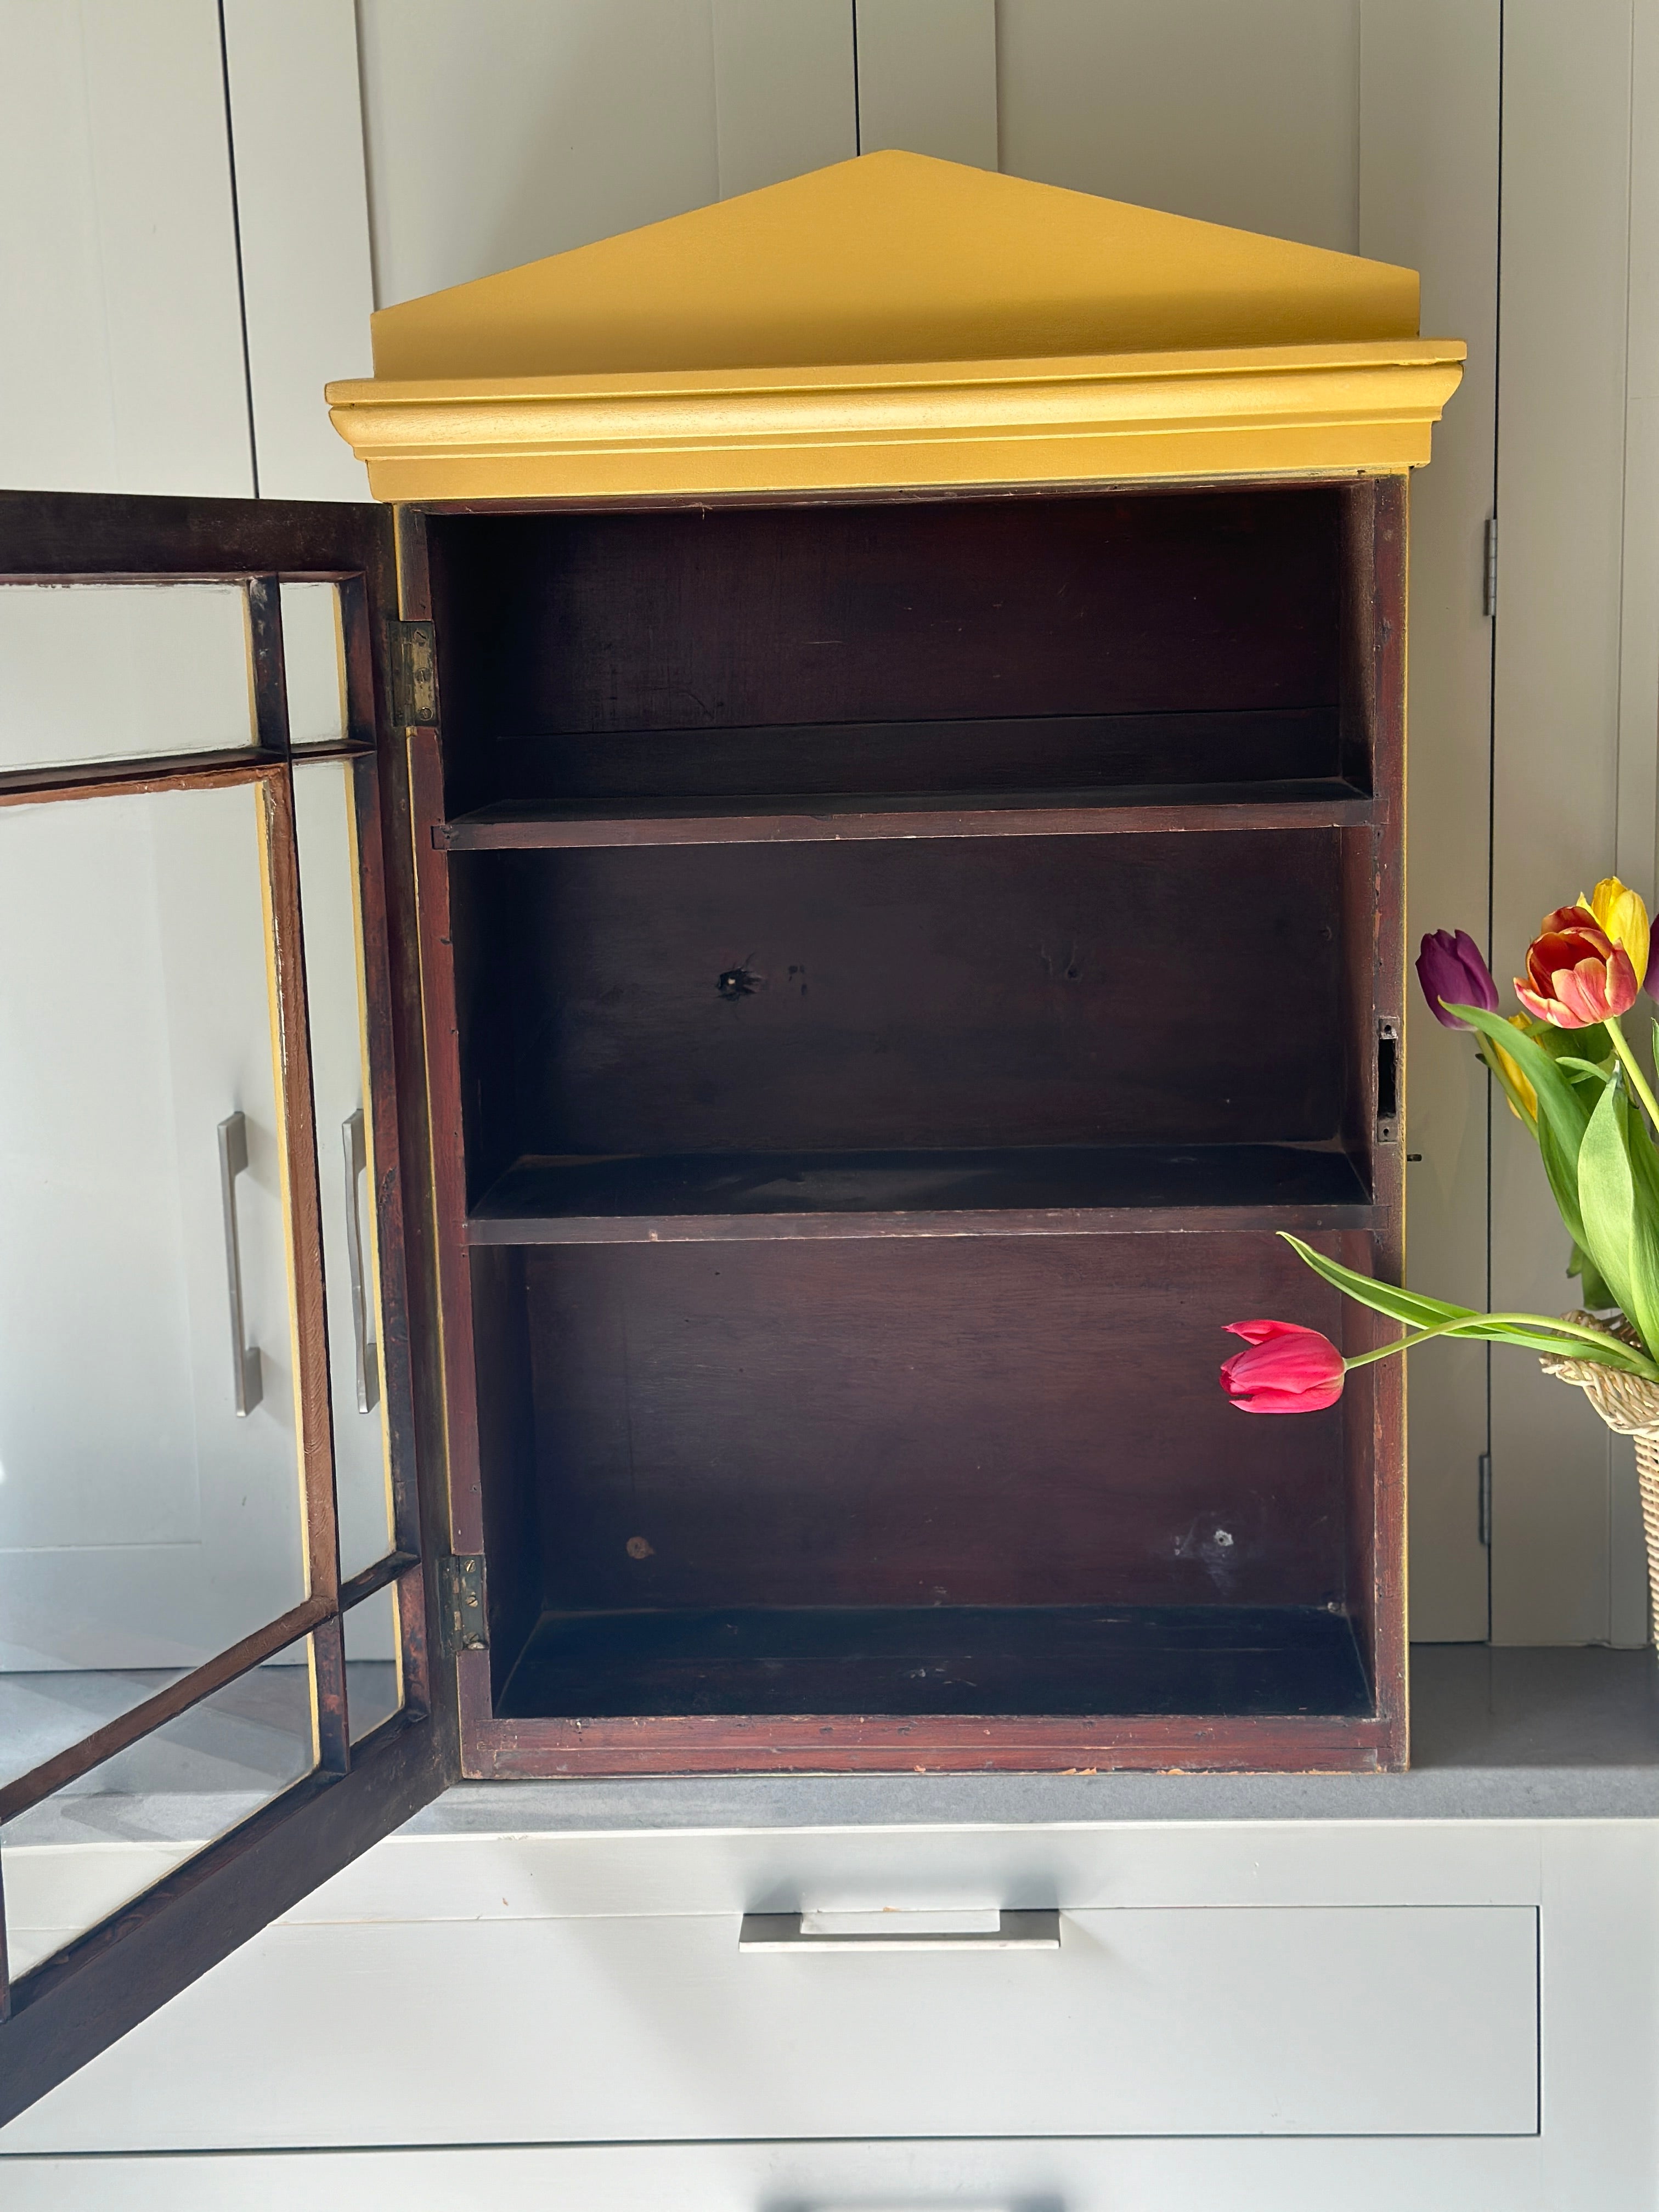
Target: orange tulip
[1576,975]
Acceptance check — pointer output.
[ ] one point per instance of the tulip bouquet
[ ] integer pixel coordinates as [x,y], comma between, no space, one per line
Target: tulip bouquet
[1568,1072]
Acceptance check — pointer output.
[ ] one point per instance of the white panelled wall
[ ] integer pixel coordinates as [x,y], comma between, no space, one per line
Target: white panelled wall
[198,206]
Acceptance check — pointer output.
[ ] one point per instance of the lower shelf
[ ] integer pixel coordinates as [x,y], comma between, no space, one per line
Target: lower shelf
[1240,1661]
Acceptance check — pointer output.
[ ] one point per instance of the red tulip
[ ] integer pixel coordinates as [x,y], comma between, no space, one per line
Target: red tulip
[1287,1370]
[1576,975]
[1452,972]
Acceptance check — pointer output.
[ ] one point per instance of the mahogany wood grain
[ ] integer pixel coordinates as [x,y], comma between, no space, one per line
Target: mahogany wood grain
[827,1743]
[510,1503]
[1104,753]
[455,1346]
[926,1661]
[314,1410]
[732,616]
[1375,924]
[788,821]
[50,536]
[1076,1190]
[388,1140]
[950,693]
[983,1421]
[904,997]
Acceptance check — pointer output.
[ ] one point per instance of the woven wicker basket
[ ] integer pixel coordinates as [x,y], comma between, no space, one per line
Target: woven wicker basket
[1629,1404]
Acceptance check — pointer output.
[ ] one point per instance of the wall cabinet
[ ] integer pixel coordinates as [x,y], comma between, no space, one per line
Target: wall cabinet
[873,721]
[891,969]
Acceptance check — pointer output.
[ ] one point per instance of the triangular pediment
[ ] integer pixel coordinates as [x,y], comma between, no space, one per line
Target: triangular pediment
[895,258]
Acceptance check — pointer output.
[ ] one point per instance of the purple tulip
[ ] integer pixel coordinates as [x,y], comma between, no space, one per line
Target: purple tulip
[1450,969]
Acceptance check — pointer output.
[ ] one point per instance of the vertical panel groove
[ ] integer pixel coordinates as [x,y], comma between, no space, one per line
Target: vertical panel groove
[236,232]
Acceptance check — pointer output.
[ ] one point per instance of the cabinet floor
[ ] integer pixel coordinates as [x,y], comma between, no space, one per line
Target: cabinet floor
[940,1659]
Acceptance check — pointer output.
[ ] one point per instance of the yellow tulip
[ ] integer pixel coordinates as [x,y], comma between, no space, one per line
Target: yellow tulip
[1521,1084]
[1622,918]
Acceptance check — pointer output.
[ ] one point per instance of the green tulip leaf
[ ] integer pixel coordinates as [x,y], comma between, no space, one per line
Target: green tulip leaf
[1593,1044]
[1593,1289]
[1563,1114]
[1468,1325]
[1619,1228]
[1500,1074]
[1645,1246]
[1383,1298]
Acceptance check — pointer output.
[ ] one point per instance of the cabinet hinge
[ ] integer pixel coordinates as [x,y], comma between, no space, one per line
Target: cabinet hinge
[412,650]
[461,1623]
[1489,578]
[1484,1503]
[1387,1079]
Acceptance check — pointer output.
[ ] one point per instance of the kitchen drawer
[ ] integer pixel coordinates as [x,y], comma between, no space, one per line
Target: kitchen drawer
[1389,2020]
[1314,2174]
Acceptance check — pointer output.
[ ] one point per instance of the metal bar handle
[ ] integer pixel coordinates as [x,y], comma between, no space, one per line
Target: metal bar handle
[244,1356]
[1014,1931]
[356,1166]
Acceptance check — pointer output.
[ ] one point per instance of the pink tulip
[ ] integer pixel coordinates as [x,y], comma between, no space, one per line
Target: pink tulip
[1287,1370]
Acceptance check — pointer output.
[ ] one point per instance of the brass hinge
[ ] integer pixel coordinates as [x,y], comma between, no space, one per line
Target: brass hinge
[412,650]
[461,1623]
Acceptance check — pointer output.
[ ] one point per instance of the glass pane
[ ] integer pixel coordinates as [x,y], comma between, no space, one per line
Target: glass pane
[314,660]
[144,1523]
[106,1836]
[325,817]
[374,1688]
[112,671]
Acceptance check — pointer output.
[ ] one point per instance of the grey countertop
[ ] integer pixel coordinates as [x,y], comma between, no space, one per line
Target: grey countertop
[1496,1736]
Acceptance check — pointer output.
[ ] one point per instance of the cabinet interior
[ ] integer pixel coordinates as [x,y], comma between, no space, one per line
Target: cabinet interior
[910,958]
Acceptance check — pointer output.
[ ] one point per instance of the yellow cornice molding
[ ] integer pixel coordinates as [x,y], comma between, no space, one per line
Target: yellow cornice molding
[1367,405]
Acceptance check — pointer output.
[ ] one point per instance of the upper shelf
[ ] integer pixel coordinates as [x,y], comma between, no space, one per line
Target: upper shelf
[895,321]
[1315,804]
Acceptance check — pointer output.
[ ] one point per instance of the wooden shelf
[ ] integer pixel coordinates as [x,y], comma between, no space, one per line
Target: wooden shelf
[786,819]
[924,1660]
[1063,1190]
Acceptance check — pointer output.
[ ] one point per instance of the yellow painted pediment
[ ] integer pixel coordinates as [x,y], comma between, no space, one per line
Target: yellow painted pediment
[894,319]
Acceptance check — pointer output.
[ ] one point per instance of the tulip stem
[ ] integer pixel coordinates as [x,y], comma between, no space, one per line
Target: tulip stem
[1608,1350]
[1638,1082]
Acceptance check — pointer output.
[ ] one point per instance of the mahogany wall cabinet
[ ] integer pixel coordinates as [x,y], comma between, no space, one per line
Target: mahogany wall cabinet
[906,793]
[891,969]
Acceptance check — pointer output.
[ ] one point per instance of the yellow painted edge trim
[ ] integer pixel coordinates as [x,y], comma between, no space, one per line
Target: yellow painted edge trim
[1010,371]
[1181,418]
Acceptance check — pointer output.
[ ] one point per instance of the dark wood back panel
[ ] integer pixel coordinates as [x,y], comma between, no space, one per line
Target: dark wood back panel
[721,619]
[991,753]
[1029,991]
[994,1421]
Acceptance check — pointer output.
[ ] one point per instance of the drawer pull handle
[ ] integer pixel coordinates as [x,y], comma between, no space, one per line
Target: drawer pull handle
[1014,1931]
[246,1376]
[357,1166]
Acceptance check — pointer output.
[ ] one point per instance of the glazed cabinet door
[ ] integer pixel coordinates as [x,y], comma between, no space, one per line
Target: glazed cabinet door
[213,1666]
